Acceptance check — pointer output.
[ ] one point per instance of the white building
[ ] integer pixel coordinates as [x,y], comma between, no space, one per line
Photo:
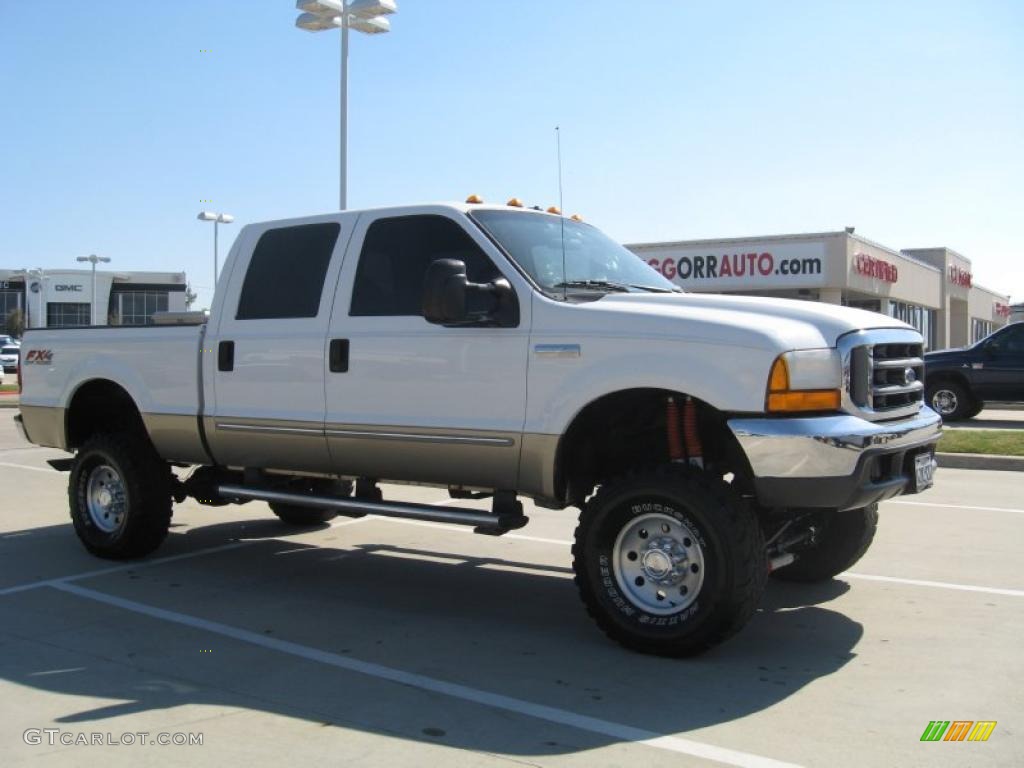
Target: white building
[64,297]
[930,288]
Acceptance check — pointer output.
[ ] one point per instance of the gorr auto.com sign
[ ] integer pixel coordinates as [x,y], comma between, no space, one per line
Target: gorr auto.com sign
[790,265]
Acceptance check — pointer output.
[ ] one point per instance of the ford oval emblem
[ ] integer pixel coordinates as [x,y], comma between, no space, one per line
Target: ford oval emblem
[909,376]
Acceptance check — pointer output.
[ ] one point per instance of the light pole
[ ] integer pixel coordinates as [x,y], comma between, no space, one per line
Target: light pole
[30,314]
[216,218]
[94,260]
[366,16]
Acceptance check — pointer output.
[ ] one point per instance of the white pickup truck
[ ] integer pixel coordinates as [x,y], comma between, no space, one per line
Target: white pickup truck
[500,351]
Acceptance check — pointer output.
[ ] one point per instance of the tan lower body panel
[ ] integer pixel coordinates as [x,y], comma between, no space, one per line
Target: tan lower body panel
[44,425]
[268,443]
[176,437]
[441,456]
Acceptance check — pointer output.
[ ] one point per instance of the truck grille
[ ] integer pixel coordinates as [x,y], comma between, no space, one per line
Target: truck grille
[884,373]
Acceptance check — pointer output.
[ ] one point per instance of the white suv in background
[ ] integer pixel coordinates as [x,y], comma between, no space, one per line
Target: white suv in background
[9,354]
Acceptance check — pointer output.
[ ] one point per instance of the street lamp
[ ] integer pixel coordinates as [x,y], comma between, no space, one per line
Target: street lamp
[216,218]
[366,16]
[30,314]
[94,260]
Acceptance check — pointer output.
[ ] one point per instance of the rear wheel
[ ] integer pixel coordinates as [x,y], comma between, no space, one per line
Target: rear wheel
[840,540]
[669,562]
[951,400]
[119,493]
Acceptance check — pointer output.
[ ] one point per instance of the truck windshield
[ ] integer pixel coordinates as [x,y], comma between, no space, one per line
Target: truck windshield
[542,243]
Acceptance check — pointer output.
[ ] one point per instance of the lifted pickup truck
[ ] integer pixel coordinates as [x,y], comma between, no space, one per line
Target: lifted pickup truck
[962,381]
[500,351]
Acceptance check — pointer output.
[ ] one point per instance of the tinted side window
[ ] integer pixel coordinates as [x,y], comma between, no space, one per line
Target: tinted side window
[395,257]
[286,274]
[1010,341]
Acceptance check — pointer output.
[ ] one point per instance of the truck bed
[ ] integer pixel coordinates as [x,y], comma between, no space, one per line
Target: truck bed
[158,366]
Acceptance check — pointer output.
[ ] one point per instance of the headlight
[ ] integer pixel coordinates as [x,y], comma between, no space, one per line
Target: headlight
[804,380]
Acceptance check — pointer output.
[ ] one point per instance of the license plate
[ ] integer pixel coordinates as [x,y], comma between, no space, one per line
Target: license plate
[924,471]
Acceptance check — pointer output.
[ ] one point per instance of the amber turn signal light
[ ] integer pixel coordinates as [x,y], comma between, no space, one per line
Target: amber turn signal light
[781,399]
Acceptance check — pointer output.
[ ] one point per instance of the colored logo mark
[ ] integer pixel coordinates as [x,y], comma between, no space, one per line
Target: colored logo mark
[958,730]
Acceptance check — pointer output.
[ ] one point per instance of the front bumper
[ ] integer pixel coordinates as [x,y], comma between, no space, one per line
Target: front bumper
[834,462]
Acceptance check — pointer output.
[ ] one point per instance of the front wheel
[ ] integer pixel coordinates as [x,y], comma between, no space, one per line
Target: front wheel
[669,562]
[119,493]
[292,514]
[839,541]
[951,401]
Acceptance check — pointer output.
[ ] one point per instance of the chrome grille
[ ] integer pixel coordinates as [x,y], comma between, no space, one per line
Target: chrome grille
[883,373]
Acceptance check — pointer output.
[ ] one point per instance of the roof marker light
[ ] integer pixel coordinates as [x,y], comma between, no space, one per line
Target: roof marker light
[515,202]
[576,217]
[474,200]
[554,209]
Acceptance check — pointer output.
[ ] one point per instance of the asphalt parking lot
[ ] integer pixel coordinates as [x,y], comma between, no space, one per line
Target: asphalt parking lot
[377,642]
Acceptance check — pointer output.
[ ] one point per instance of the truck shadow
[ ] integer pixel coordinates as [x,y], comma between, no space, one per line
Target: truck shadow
[495,624]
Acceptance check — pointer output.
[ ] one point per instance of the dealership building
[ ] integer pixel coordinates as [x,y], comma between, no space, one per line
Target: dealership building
[64,298]
[930,288]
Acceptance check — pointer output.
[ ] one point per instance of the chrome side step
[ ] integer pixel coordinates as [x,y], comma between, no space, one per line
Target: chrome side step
[507,518]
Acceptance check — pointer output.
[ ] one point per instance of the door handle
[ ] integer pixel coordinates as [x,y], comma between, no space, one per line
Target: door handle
[226,356]
[337,356]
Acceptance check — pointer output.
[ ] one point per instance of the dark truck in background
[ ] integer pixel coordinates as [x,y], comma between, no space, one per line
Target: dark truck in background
[960,382]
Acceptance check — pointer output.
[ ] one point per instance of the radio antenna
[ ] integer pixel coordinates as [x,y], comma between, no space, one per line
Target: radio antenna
[561,214]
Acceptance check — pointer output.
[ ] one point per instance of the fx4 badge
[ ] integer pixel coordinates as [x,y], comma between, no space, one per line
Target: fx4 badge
[39,356]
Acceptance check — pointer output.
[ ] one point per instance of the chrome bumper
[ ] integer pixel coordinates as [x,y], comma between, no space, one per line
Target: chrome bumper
[834,461]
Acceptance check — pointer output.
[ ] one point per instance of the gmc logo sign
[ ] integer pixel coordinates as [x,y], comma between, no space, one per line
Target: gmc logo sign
[39,356]
[76,288]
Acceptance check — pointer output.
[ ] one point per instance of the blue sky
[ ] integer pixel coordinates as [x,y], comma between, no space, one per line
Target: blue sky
[679,120]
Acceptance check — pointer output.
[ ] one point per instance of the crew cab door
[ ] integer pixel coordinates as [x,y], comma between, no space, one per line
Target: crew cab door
[1001,374]
[408,400]
[266,355]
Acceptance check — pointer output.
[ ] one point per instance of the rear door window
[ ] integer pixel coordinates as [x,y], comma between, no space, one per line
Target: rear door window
[285,278]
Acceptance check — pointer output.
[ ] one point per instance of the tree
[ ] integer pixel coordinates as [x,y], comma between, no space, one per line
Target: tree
[190,296]
[15,323]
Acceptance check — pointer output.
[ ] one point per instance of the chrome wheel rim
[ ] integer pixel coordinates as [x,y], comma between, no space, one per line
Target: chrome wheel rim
[944,401]
[104,498]
[658,564]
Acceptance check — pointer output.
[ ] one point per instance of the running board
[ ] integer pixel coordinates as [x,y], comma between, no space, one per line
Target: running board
[482,522]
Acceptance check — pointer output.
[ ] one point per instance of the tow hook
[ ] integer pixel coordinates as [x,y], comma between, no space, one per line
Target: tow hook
[780,561]
[779,550]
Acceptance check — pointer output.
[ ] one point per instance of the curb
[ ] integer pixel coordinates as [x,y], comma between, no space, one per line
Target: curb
[980,461]
[5,404]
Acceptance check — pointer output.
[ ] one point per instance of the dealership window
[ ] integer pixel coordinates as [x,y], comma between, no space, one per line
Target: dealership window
[136,307]
[395,258]
[980,329]
[10,301]
[871,305]
[60,315]
[921,318]
[286,273]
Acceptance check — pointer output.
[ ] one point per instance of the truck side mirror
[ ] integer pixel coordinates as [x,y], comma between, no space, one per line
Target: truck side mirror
[444,291]
[450,299]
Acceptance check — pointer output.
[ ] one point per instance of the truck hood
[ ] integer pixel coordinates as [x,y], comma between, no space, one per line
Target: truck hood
[757,322]
[947,355]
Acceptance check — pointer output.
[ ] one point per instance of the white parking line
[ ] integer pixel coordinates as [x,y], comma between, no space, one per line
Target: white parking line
[464,529]
[957,506]
[936,584]
[26,466]
[864,576]
[555,715]
[118,568]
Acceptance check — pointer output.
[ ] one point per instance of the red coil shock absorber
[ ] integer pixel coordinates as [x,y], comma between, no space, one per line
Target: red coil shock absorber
[675,440]
[694,450]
